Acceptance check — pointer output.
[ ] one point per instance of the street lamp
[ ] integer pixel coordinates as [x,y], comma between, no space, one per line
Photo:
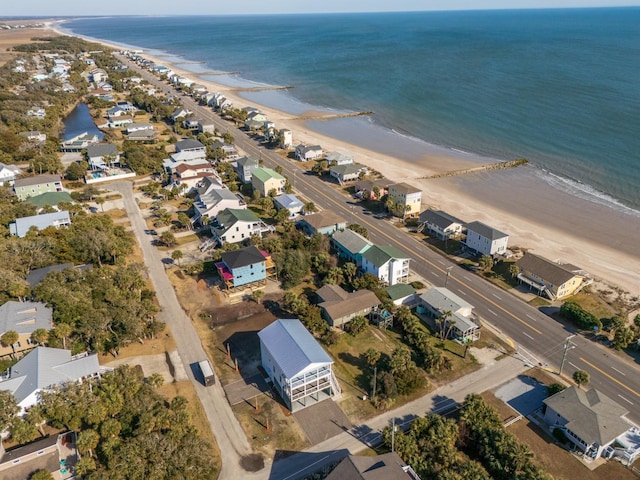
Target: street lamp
[568,345]
[448,269]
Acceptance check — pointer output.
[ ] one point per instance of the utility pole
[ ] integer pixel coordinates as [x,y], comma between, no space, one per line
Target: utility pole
[567,346]
[393,434]
[448,275]
[375,374]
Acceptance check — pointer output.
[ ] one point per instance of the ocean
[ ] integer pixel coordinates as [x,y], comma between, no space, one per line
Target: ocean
[558,87]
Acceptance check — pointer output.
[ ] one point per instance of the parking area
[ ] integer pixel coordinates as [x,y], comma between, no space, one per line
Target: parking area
[322,421]
[524,394]
[245,389]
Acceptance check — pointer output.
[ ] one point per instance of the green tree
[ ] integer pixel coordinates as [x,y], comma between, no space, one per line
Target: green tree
[155,380]
[88,441]
[622,338]
[359,229]
[22,431]
[8,408]
[514,270]
[184,220]
[357,325]
[257,295]
[76,170]
[100,201]
[486,263]
[310,207]
[372,356]
[41,475]
[84,466]
[581,377]
[62,331]
[334,276]
[168,239]
[554,388]
[9,338]
[40,336]
[176,255]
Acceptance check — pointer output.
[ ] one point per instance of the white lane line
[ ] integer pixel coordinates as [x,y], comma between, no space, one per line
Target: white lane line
[532,318]
[621,373]
[526,334]
[496,296]
[442,262]
[492,312]
[462,292]
[574,365]
[625,399]
[466,278]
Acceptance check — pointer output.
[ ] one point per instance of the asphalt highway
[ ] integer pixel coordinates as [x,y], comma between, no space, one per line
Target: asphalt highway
[535,335]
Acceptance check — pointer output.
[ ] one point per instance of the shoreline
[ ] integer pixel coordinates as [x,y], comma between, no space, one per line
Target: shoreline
[537,216]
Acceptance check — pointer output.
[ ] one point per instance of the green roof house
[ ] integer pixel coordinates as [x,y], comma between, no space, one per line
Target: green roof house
[234,225]
[266,180]
[388,263]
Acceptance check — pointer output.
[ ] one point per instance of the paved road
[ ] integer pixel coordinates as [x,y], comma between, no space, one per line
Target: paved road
[536,336]
[230,437]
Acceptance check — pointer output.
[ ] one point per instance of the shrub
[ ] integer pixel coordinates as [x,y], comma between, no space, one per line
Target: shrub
[576,314]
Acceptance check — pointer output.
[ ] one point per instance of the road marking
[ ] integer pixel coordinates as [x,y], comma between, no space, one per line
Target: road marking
[525,333]
[610,377]
[463,293]
[625,399]
[498,297]
[442,262]
[466,278]
[532,318]
[621,373]
[575,366]
[491,311]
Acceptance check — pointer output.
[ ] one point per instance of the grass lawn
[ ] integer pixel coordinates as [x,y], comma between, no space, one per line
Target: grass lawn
[594,304]
[539,302]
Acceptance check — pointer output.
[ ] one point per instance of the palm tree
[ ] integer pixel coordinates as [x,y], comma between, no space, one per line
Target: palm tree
[40,336]
[349,270]
[176,255]
[63,330]
[445,324]
[9,338]
[310,207]
[100,201]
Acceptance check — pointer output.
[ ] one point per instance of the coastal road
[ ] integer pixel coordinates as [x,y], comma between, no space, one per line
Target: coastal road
[230,437]
[533,333]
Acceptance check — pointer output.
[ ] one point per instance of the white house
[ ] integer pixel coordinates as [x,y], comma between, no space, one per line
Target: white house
[486,240]
[103,156]
[289,202]
[8,173]
[236,225]
[286,138]
[441,224]
[213,198]
[439,301]
[388,263]
[296,364]
[43,368]
[21,226]
[349,172]
[305,153]
[338,158]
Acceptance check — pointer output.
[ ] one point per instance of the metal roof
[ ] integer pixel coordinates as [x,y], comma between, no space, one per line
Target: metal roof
[439,218]
[22,225]
[351,241]
[400,290]
[188,144]
[591,415]
[37,180]
[443,299]
[49,198]
[288,201]
[44,367]
[248,161]
[24,317]
[485,230]
[292,347]
[353,302]
[379,255]
[265,174]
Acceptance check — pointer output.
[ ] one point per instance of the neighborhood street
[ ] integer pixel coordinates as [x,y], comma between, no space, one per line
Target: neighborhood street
[538,338]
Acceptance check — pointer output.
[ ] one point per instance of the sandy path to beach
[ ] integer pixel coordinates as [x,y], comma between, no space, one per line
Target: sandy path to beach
[598,239]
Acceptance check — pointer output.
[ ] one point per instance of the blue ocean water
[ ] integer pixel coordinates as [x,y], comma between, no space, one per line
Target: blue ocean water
[559,87]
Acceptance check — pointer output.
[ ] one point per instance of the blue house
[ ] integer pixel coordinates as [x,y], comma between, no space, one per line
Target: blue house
[350,245]
[245,266]
[289,202]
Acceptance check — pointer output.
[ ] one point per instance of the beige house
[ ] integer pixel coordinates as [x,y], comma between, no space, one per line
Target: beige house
[340,307]
[406,200]
[266,180]
[551,279]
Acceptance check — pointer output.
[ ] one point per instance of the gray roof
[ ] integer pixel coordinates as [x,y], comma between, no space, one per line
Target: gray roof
[289,201]
[292,347]
[338,303]
[591,415]
[37,180]
[308,148]
[24,317]
[463,324]
[102,150]
[322,219]
[485,230]
[388,466]
[22,225]
[188,144]
[248,161]
[44,367]
[545,269]
[242,257]
[351,241]
[439,218]
[443,299]
[347,169]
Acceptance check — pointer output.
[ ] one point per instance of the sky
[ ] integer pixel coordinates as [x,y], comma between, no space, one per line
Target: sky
[172,7]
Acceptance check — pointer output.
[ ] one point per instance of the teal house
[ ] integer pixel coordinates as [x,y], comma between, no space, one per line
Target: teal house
[244,267]
[350,245]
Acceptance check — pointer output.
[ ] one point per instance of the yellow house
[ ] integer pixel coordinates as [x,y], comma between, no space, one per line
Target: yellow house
[552,279]
[406,200]
[266,180]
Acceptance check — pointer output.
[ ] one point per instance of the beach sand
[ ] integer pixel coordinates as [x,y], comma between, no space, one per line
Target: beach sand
[536,215]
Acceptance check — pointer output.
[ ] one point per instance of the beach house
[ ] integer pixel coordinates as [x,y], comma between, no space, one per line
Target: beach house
[23,318]
[485,240]
[296,365]
[245,167]
[233,225]
[9,173]
[213,198]
[325,223]
[43,368]
[304,153]
[348,172]
[350,245]
[338,158]
[32,186]
[339,307]
[103,156]
[289,202]
[551,279]
[440,224]
[406,200]
[21,226]
[438,302]
[388,263]
[268,182]
[286,138]
[245,267]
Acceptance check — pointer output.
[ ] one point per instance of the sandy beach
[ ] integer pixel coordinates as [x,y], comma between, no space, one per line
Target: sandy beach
[520,202]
